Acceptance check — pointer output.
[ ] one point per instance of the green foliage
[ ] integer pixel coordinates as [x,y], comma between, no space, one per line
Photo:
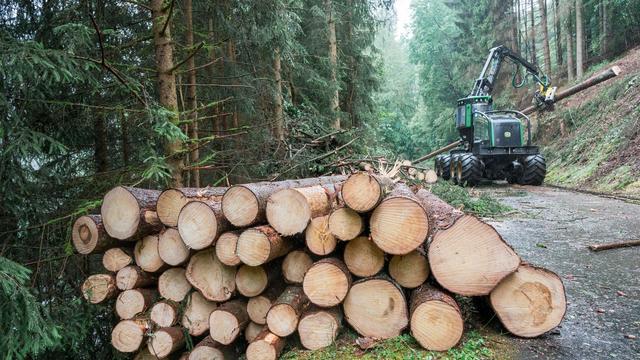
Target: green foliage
[26,328]
[459,197]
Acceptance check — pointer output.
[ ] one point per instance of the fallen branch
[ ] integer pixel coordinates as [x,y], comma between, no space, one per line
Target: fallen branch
[615,245]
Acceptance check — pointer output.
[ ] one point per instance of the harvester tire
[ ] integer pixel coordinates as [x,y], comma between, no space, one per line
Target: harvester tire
[445,167]
[535,169]
[470,170]
[453,167]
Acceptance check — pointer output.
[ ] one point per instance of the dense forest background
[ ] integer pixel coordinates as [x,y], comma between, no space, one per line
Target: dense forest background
[197,93]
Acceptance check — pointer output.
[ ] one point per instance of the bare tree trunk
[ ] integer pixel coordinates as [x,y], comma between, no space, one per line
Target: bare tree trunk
[100,143]
[525,17]
[558,29]
[167,83]
[514,27]
[351,89]
[519,26]
[278,111]
[579,41]
[545,35]
[124,138]
[569,42]
[605,27]
[333,61]
[192,102]
[215,118]
[534,55]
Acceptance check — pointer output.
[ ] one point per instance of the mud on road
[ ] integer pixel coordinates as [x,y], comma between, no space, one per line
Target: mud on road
[553,228]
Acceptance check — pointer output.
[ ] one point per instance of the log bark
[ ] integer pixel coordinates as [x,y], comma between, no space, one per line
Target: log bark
[289,211]
[258,306]
[215,280]
[228,320]
[172,200]
[166,341]
[171,249]
[130,213]
[196,314]
[252,331]
[100,287]
[319,328]
[282,318]
[345,224]
[266,346]
[327,282]
[261,244]
[400,223]
[209,349]
[173,284]
[467,256]
[295,265]
[89,236]
[362,257]
[132,277]
[409,271]
[201,222]
[529,302]
[117,258]
[376,307]
[253,280]
[164,313]
[245,205]
[615,245]
[318,238]
[363,191]
[147,256]
[436,320]
[128,335]
[226,248]
[133,302]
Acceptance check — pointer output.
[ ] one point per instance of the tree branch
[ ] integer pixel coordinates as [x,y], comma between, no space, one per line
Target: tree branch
[192,54]
[166,23]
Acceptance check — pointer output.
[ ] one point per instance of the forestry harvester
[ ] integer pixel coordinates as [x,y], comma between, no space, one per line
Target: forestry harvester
[496,144]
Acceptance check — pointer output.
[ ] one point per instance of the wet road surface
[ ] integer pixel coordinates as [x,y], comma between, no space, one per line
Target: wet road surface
[552,228]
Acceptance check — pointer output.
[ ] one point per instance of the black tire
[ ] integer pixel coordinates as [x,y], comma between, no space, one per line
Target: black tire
[445,167]
[535,169]
[436,165]
[453,167]
[470,170]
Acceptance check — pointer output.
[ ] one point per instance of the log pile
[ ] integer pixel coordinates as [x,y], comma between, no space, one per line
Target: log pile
[242,269]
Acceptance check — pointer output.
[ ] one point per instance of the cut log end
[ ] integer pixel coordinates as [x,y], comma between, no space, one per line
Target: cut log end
[88,235]
[164,314]
[410,270]
[345,224]
[226,248]
[133,302]
[173,284]
[196,314]
[131,277]
[251,280]
[166,341]
[227,321]
[282,320]
[257,246]
[327,282]
[128,335]
[198,225]
[288,212]
[436,321]
[487,258]
[252,331]
[240,206]
[319,328]
[171,249]
[98,288]
[120,213]
[170,202]
[215,280]
[361,192]
[295,265]
[399,225]
[266,346]
[362,257]
[117,258]
[318,238]
[146,254]
[529,302]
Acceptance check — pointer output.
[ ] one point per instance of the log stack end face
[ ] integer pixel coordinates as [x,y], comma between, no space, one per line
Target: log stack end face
[84,235]
[288,211]
[197,225]
[399,225]
[253,247]
[127,336]
[361,192]
[170,202]
[240,206]
[120,213]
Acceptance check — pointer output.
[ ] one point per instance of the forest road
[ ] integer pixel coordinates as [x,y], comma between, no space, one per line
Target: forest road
[552,228]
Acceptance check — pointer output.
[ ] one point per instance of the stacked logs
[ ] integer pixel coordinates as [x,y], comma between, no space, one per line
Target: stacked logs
[242,269]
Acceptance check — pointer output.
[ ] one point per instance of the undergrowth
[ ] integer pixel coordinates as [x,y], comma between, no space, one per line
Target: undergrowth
[460,197]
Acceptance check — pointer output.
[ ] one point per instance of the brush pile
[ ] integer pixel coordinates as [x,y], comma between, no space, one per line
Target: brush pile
[242,269]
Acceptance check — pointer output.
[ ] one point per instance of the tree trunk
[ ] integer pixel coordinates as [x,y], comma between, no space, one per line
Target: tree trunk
[132,277]
[89,236]
[253,280]
[333,64]
[579,41]
[376,307]
[226,248]
[545,36]
[362,191]
[558,28]
[261,244]
[172,200]
[436,320]
[289,211]
[124,139]
[130,213]
[525,18]
[399,237]
[133,302]
[295,265]
[167,83]
[352,71]
[318,328]
[115,259]
[467,256]
[166,341]
[146,254]
[171,248]
[196,314]
[129,335]
[318,238]
[100,287]
[215,280]
[529,302]
[513,18]
[278,108]
[266,346]
[258,306]
[192,102]
[327,282]
[282,318]
[201,222]
[164,313]
[345,224]
[569,41]
[409,271]
[362,257]
[228,321]
[100,153]
[173,284]
[245,205]
[605,27]
[534,55]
